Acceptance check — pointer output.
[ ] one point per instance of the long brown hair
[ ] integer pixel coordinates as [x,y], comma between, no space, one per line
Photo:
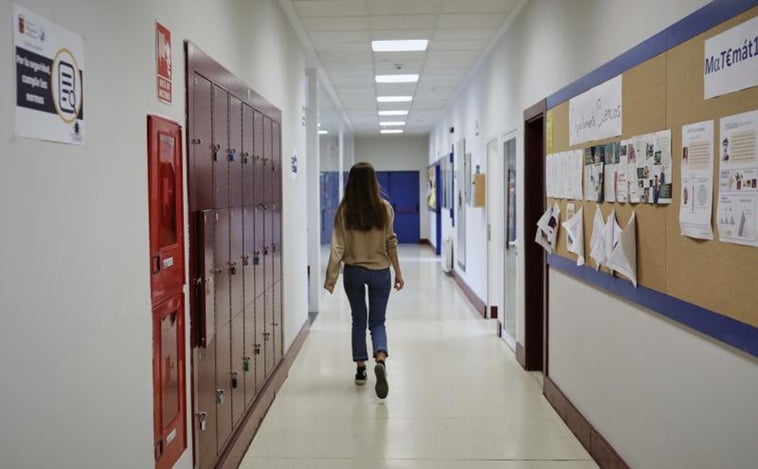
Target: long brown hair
[362,208]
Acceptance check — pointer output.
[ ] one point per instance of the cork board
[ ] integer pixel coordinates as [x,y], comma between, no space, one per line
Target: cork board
[666,92]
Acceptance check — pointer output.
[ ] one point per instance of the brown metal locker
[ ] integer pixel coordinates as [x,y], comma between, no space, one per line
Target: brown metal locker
[223,382]
[248,254]
[277,322]
[268,160]
[205,416]
[237,383]
[234,152]
[200,152]
[268,248]
[248,359]
[259,252]
[248,155]
[258,144]
[259,344]
[235,261]
[220,144]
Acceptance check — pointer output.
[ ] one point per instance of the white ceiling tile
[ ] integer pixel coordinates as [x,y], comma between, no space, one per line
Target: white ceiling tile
[400,57]
[404,7]
[458,58]
[434,91]
[430,104]
[490,20]
[330,8]
[464,34]
[344,46]
[473,44]
[347,58]
[327,37]
[348,23]
[398,34]
[478,6]
[395,89]
[404,22]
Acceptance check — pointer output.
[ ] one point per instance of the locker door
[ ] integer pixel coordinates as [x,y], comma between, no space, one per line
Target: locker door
[277,322]
[404,196]
[205,418]
[237,383]
[221,269]
[258,167]
[220,144]
[268,162]
[235,262]
[258,253]
[268,335]
[223,383]
[248,155]
[258,345]
[205,292]
[248,251]
[268,240]
[277,155]
[234,151]
[201,148]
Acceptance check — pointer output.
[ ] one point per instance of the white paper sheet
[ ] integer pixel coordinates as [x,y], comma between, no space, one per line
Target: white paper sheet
[547,228]
[575,166]
[597,241]
[575,235]
[696,201]
[738,179]
[623,258]
[611,235]
[648,170]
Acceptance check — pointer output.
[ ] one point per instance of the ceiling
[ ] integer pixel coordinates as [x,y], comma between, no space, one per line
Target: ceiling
[340,32]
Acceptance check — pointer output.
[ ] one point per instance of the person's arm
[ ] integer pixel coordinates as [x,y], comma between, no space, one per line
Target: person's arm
[336,254]
[392,248]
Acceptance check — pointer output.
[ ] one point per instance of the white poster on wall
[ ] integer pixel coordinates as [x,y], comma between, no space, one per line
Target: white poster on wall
[731,60]
[738,179]
[596,114]
[49,79]
[696,201]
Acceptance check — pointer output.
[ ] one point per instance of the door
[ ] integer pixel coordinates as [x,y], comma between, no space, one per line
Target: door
[511,245]
[330,190]
[402,190]
[495,244]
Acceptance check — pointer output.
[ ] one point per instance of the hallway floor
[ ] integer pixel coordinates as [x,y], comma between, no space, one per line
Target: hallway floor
[457,399]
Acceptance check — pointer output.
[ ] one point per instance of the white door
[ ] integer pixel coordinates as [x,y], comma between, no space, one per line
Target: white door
[494,206]
[511,246]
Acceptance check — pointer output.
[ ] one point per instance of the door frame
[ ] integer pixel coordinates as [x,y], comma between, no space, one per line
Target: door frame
[495,250]
[509,339]
[533,355]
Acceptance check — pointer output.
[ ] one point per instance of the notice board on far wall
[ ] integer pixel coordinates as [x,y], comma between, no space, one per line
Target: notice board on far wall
[666,92]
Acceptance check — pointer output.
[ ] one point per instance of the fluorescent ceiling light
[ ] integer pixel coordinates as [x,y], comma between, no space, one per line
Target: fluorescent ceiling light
[392,123]
[399,46]
[397,78]
[391,131]
[393,113]
[323,132]
[394,99]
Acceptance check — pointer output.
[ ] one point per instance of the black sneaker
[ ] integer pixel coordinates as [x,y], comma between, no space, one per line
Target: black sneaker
[361,375]
[382,388]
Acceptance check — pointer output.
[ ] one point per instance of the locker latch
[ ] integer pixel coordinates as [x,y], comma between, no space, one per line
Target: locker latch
[246,364]
[235,380]
[257,349]
[265,250]
[220,396]
[201,420]
[232,154]
[215,148]
[209,285]
[256,258]
[233,268]
[266,336]
[273,248]
[245,259]
[265,161]
[245,157]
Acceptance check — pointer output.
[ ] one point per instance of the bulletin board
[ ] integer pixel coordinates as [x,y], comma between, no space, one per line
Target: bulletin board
[666,92]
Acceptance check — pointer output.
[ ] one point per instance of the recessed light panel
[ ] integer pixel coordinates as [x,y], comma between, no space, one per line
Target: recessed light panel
[323,132]
[396,78]
[399,46]
[390,123]
[391,131]
[394,99]
[393,113]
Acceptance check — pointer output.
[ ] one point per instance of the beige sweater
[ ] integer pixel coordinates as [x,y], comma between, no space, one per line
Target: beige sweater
[369,249]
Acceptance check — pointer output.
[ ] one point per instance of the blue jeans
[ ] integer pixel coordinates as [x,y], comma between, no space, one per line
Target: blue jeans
[356,279]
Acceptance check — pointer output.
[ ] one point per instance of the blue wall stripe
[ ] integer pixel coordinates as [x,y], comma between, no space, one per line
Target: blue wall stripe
[698,22]
[730,331]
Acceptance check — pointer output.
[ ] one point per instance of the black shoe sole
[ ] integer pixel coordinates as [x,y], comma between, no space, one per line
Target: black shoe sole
[382,387]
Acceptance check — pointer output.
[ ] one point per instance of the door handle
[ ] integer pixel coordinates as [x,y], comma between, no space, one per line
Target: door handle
[155,264]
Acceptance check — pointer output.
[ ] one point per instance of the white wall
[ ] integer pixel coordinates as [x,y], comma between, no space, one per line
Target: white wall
[399,153]
[75,327]
[550,44]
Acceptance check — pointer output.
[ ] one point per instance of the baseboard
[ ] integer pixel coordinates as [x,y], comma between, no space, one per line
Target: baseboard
[243,437]
[601,451]
[521,354]
[475,300]
[428,243]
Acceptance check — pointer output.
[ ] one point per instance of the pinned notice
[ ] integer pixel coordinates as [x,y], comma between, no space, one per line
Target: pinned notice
[163,63]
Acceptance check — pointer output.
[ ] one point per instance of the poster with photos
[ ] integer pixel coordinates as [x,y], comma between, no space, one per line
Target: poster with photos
[594,159]
[648,167]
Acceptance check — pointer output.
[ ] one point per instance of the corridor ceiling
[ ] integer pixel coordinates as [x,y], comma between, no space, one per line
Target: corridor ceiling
[339,33]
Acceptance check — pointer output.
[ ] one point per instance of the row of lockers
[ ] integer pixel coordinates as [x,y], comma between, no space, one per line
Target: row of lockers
[235,203]
[239,157]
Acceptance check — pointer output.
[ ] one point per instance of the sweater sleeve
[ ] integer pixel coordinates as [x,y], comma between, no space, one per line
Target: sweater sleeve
[390,231]
[336,254]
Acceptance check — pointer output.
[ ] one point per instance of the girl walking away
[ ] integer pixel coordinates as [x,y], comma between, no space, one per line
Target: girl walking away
[364,239]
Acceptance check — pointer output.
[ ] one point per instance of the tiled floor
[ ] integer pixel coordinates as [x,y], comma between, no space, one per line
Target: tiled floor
[458,398]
